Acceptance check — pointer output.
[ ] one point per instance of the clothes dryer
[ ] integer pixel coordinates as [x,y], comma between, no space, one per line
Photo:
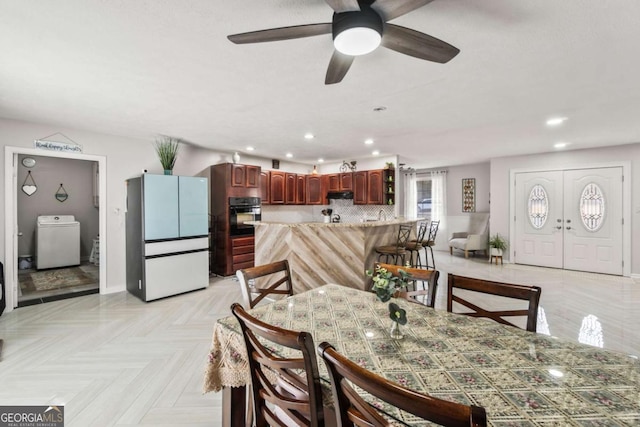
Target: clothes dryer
[57,241]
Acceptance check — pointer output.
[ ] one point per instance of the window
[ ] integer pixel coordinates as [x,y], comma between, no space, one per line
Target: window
[538,206]
[592,207]
[423,196]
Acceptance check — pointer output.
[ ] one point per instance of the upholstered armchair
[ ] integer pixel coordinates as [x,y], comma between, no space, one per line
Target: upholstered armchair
[475,239]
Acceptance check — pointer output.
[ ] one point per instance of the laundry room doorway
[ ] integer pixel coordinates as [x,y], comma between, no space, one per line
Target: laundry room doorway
[55,225]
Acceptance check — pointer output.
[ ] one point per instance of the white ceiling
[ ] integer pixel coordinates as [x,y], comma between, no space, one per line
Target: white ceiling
[148,67]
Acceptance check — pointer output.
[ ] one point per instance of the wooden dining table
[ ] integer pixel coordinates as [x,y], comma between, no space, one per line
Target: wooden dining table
[520,378]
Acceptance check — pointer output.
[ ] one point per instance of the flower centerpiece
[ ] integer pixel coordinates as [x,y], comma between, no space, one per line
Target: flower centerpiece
[385,285]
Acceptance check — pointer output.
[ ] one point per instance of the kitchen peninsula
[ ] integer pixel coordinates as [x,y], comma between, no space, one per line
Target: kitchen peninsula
[321,253]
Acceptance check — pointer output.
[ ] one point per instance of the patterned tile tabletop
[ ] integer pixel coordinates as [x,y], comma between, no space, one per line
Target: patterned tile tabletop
[520,378]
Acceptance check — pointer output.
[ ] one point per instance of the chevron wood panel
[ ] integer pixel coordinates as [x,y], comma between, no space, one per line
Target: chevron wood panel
[320,254]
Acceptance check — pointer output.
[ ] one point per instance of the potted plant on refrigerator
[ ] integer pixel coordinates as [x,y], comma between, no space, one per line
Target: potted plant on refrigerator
[167,149]
[498,245]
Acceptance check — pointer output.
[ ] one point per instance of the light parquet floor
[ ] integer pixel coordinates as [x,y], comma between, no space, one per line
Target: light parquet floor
[113,360]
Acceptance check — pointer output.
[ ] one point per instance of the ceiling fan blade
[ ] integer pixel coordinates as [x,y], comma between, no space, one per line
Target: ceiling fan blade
[417,44]
[340,6]
[338,67]
[391,9]
[283,33]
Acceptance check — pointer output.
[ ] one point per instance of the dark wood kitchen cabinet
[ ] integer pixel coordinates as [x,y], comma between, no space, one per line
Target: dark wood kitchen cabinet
[228,253]
[277,188]
[315,195]
[301,189]
[360,193]
[340,181]
[375,187]
[333,182]
[290,188]
[245,176]
[346,181]
[265,187]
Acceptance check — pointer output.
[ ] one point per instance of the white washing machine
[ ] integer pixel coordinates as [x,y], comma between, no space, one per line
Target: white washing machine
[57,241]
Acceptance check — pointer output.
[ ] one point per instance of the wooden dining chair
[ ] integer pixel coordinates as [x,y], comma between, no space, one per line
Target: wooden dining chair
[531,294]
[260,282]
[285,391]
[396,251]
[352,410]
[425,283]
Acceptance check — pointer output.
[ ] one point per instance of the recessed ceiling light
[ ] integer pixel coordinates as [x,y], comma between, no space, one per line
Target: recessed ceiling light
[376,153]
[556,121]
[289,155]
[560,144]
[250,148]
[320,160]
[368,141]
[308,136]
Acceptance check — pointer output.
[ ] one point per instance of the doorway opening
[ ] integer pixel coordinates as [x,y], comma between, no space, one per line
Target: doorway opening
[55,225]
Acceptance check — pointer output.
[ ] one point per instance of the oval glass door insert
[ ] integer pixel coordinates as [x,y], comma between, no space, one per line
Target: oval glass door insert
[538,206]
[592,207]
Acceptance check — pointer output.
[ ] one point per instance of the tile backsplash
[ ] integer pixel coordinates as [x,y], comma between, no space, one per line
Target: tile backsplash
[345,208]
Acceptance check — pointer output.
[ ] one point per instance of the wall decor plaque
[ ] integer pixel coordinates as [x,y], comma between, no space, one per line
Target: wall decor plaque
[468,195]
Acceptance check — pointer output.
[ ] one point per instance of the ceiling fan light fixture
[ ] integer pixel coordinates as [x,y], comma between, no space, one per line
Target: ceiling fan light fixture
[357,33]
[357,41]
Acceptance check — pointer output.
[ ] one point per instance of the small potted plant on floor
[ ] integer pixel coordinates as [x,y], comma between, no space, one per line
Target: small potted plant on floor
[498,245]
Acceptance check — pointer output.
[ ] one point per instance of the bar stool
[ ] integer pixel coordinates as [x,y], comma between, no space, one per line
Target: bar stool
[398,250]
[416,245]
[431,240]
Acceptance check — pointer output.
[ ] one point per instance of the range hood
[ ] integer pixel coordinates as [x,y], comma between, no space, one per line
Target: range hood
[340,195]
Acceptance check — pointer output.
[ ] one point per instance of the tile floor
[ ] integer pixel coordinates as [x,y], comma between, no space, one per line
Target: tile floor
[113,360]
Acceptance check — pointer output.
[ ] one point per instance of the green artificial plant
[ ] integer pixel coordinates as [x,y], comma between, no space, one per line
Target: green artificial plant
[167,149]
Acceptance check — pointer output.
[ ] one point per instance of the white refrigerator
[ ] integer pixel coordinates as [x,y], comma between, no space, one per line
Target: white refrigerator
[167,235]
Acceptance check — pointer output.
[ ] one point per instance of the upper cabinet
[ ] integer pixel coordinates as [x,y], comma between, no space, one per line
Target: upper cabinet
[346,181]
[372,187]
[360,194]
[265,187]
[301,189]
[277,186]
[315,195]
[340,181]
[290,188]
[245,176]
[375,187]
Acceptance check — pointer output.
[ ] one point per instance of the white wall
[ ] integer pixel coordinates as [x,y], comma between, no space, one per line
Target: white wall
[126,158]
[500,185]
[456,219]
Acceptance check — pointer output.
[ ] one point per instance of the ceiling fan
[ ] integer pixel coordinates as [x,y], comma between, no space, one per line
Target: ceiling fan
[359,27]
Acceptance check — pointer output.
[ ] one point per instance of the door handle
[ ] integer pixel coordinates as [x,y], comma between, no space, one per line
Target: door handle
[568,228]
[559,227]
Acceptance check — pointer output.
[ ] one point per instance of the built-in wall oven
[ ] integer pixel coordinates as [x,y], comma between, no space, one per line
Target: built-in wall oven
[241,211]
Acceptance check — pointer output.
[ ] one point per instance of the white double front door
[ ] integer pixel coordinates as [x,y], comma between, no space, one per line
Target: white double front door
[570,219]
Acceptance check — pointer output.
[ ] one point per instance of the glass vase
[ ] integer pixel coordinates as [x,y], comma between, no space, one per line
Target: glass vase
[395,332]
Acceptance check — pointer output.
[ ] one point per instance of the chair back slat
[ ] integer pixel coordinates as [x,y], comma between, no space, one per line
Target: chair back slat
[531,294]
[352,409]
[291,386]
[427,278]
[260,282]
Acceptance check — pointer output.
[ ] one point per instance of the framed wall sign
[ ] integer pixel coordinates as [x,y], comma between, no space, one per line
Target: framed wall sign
[468,195]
